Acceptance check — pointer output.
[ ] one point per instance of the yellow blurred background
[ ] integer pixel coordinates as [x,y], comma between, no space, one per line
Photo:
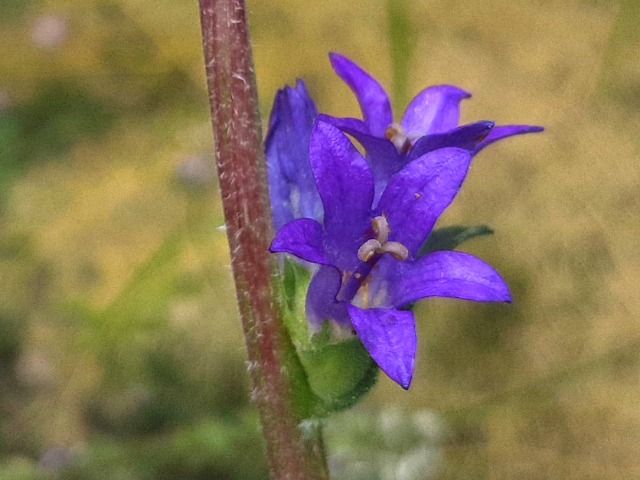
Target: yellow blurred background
[121,354]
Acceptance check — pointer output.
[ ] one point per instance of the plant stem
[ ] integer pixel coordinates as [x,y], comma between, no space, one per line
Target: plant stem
[294,452]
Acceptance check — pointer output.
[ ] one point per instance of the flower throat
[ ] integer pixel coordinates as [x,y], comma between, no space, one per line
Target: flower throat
[369,253]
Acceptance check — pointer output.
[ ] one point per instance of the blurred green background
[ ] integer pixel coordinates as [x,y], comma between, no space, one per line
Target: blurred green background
[121,355]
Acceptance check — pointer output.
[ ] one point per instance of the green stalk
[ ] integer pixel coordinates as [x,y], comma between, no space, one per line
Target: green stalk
[294,445]
[402,43]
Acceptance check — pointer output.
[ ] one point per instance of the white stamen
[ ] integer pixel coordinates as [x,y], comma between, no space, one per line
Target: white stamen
[395,132]
[368,249]
[398,250]
[381,227]
[381,244]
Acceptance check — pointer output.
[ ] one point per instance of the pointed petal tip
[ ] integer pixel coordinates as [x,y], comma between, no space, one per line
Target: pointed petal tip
[404,378]
[337,57]
[288,90]
[406,384]
[300,83]
[277,245]
[291,101]
[299,88]
[508,298]
[488,124]
[520,129]
[464,93]
[338,61]
[389,335]
[503,293]
[453,90]
[372,97]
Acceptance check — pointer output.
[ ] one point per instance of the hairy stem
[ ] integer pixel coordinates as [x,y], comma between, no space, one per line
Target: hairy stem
[294,450]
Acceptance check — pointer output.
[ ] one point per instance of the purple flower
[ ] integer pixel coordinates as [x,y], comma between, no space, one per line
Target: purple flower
[430,123]
[368,250]
[292,188]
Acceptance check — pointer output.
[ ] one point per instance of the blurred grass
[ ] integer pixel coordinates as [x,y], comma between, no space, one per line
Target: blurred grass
[119,340]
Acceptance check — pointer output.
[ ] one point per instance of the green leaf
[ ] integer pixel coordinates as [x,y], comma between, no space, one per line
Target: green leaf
[448,238]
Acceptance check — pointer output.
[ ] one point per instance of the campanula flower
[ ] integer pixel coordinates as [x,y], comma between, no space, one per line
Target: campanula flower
[368,250]
[292,188]
[430,122]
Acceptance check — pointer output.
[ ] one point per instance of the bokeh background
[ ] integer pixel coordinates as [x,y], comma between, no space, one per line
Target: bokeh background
[121,353]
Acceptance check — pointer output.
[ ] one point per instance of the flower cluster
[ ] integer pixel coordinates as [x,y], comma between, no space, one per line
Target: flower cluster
[364,221]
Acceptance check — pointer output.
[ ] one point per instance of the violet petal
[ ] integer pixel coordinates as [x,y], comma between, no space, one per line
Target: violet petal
[347,125]
[446,274]
[505,131]
[467,137]
[321,303]
[390,338]
[345,184]
[373,100]
[302,238]
[434,110]
[417,195]
[292,188]
[382,154]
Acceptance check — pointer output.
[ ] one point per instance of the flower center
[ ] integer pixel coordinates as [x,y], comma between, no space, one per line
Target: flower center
[398,137]
[381,244]
[370,252]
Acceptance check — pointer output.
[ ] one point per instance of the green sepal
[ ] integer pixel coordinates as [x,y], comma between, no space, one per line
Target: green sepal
[448,238]
[295,285]
[339,373]
[295,276]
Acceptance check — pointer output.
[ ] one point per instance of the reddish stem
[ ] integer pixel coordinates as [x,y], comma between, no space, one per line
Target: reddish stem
[293,452]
